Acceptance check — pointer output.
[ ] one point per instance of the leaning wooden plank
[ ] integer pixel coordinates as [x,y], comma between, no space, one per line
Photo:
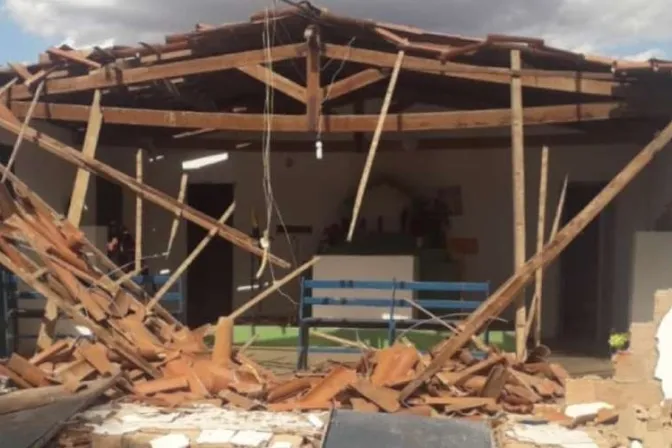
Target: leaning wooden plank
[7,86]
[354,82]
[535,307]
[385,398]
[148,193]
[374,145]
[24,126]
[20,70]
[184,180]
[103,334]
[138,212]
[89,150]
[504,295]
[190,258]
[274,287]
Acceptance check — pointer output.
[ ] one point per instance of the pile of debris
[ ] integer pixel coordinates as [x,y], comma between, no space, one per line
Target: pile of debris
[162,362]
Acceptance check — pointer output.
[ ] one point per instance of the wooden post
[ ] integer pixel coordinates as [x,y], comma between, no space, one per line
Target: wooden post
[535,309]
[518,164]
[274,287]
[313,85]
[176,221]
[536,300]
[89,150]
[505,294]
[138,212]
[374,144]
[192,256]
[223,348]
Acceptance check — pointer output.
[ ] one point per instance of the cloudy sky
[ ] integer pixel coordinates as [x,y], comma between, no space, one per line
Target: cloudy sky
[624,28]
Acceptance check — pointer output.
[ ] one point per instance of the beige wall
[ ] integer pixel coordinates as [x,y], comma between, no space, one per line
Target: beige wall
[309,193]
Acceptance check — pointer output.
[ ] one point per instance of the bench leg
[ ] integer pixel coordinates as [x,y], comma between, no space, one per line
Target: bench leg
[304,343]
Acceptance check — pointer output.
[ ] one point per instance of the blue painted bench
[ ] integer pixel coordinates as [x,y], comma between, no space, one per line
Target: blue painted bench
[310,296]
[173,301]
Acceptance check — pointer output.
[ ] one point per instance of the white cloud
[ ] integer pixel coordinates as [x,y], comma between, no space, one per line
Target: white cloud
[586,25]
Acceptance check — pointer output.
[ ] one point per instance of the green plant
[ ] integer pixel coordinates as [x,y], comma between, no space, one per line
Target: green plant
[619,341]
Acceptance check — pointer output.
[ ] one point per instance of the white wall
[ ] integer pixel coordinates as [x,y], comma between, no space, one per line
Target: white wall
[310,191]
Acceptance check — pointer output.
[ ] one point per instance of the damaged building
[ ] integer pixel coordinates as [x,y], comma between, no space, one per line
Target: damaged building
[274,172]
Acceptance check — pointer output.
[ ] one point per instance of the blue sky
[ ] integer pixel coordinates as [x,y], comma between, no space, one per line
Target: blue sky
[23,47]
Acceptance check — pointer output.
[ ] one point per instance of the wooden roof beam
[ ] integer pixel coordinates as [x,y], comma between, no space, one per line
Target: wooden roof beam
[355,82]
[275,80]
[425,121]
[20,70]
[111,77]
[73,56]
[574,82]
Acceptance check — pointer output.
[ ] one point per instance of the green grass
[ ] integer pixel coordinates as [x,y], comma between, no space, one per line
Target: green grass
[270,336]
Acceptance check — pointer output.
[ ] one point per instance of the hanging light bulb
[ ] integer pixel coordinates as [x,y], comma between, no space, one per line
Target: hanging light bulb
[318,149]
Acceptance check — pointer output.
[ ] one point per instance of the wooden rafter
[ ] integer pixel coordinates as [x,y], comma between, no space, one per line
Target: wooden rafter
[357,81]
[148,193]
[277,81]
[109,78]
[558,81]
[72,56]
[425,121]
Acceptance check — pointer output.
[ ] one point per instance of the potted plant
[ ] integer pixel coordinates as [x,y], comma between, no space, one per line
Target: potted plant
[619,344]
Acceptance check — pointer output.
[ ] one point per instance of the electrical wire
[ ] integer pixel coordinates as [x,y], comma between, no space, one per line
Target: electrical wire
[268,38]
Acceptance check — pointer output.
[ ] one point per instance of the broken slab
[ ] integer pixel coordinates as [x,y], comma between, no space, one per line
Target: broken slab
[619,394]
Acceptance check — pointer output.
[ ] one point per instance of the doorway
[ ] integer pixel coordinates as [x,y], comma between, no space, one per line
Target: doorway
[584,276]
[210,276]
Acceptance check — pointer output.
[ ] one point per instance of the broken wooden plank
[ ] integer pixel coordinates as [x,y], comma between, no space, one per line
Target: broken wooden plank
[239,401]
[495,383]
[221,352]
[274,287]
[374,145]
[190,258]
[161,199]
[73,56]
[166,384]
[504,295]
[138,212]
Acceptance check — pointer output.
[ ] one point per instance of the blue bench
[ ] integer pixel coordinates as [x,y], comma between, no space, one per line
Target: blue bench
[439,306]
[10,311]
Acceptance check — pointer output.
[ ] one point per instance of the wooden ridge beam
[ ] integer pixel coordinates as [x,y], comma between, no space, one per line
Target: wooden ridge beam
[417,121]
[507,292]
[354,82]
[150,194]
[540,79]
[275,80]
[110,77]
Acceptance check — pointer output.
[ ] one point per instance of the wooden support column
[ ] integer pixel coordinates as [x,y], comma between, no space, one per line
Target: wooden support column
[374,144]
[535,309]
[505,294]
[88,150]
[190,258]
[313,86]
[138,212]
[518,164]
